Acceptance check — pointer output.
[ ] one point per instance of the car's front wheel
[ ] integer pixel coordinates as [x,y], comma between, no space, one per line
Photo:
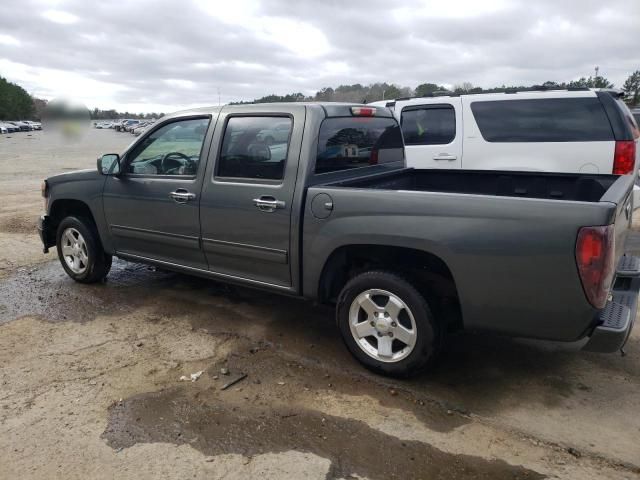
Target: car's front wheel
[80,250]
[387,324]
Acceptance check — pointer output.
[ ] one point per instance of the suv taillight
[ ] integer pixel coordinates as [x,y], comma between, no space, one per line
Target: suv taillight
[595,252]
[624,157]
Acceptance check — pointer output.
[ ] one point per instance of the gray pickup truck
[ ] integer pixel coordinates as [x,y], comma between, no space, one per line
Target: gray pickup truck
[328,211]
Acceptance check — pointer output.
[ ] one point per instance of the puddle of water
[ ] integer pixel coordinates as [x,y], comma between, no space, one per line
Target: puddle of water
[47,291]
[214,428]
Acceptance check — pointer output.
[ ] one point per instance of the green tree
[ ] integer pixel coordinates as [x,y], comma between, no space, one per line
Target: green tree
[15,102]
[391,92]
[591,82]
[427,89]
[632,87]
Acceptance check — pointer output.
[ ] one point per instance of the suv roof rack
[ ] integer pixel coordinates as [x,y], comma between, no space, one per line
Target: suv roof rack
[508,91]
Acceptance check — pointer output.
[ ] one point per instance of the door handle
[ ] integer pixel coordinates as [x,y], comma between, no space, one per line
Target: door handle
[268,204]
[445,156]
[182,196]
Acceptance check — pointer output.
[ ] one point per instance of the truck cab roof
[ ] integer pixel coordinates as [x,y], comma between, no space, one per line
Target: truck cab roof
[331,109]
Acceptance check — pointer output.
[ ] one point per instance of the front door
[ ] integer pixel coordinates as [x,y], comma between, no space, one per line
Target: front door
[247,197]
[433,134]
[152,206]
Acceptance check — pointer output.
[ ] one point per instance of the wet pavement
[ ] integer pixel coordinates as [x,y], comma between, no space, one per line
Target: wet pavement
[219,427]
[295,360]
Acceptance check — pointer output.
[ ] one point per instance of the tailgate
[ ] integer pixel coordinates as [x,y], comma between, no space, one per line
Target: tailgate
[621,193]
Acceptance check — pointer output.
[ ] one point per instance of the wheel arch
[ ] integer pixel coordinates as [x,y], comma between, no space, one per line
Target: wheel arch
[428,271]
[64,207]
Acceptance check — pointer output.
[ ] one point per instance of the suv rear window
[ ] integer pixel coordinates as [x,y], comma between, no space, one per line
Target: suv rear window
[543,120]
[353,142]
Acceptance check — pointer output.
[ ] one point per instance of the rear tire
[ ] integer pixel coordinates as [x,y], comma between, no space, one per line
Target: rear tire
[80,250]
[387,324]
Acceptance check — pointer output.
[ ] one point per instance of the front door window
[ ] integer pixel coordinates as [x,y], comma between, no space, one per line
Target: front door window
[173,149]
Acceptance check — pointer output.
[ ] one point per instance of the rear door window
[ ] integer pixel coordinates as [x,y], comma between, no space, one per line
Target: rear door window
[428,125]
[353,142]
[543,120]
[255,147]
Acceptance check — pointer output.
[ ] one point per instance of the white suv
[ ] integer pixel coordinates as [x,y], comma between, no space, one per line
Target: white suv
[551,131]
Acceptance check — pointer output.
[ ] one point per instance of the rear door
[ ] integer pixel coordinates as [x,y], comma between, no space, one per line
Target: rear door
[433,133]
[246,204]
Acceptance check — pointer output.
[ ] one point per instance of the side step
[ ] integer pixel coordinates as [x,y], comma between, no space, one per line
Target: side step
[628,266]
[616,320]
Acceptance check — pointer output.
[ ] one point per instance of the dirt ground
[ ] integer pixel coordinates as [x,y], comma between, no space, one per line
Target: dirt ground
[90,377]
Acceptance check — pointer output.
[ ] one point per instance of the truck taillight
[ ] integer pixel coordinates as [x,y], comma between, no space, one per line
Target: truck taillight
[595,249]
[624,157]
[363,111]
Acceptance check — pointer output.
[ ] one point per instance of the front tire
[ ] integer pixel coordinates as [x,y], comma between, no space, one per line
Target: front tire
[387,324]
[80,250]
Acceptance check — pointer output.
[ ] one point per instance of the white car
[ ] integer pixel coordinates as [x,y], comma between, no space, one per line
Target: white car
[584,131]
[140,128]
[34,125]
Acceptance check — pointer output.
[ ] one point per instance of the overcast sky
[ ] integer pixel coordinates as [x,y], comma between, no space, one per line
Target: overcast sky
[157,55]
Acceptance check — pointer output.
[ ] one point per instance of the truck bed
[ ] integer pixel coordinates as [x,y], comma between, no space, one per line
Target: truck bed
[507,238]
[560,186]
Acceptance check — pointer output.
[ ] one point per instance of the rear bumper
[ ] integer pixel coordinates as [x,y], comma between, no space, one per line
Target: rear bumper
[616,320]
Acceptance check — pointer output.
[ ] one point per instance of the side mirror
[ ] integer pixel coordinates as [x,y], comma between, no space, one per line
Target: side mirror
[109,164]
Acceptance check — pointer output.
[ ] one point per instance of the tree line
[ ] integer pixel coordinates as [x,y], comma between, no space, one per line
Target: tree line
[382,91]
[17,104]
[111,114]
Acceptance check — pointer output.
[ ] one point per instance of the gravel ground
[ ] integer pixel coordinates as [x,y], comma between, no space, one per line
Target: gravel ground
[90,377]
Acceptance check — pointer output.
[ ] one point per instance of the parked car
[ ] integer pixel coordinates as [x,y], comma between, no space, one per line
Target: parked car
[332,214]
[34,125]
[130,124]
[119,125]
[9,127]
[583,131]
[140,128]
[278,134]
[636,115]
[23,127]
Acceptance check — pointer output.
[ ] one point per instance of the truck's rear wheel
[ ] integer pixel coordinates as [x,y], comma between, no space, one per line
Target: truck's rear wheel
[80,251]
[387,324]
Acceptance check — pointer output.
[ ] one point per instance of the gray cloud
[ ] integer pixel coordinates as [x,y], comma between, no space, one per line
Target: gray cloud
[165,54]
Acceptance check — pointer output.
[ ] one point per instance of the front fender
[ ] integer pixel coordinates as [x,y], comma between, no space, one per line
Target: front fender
[85,187]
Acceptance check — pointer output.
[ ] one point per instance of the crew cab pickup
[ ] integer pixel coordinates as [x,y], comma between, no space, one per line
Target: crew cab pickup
[329,211]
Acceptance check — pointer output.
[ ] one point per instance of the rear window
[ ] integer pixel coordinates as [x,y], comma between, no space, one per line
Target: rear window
[543,120]
[354,142]
[428,125]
